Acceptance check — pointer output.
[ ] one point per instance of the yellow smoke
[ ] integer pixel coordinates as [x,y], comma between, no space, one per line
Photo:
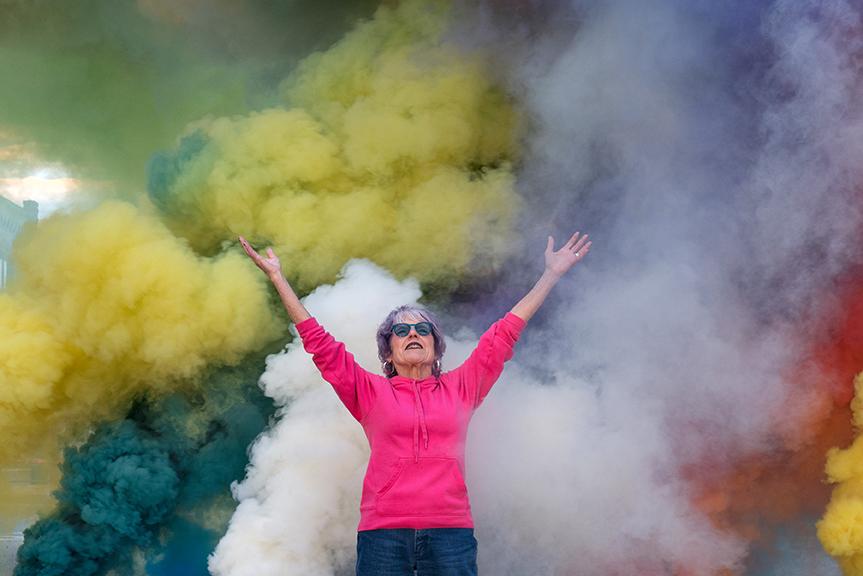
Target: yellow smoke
[108,304]
[841,528]
[393,147]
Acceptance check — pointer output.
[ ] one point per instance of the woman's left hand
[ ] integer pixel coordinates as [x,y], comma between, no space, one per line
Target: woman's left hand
[560,261]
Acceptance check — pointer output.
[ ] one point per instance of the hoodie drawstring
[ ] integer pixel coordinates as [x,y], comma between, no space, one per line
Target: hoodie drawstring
[419,422]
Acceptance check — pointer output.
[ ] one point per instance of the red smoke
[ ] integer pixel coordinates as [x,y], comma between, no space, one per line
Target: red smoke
[760,491]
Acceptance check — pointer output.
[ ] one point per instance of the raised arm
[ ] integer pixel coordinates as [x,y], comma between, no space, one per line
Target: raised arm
[273,268]
[481,370]
[337,366]
[557,263]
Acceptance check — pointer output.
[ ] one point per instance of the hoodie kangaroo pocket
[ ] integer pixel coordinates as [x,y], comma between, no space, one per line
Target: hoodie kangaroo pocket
[429,487]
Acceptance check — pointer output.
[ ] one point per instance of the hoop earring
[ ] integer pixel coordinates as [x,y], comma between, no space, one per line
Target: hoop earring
[389,369]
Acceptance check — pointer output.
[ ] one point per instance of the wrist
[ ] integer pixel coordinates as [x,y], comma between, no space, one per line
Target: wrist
[552,275]
[276,277]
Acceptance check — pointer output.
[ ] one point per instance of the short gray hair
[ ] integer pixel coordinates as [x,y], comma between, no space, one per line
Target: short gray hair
[398,315]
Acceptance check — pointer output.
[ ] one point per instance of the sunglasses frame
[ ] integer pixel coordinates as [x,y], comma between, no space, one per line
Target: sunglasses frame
[414,326]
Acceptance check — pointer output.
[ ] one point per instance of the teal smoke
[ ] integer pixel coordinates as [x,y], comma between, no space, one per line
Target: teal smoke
[134,485]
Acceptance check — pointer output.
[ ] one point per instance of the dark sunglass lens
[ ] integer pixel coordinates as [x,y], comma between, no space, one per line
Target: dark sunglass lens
[401,330]
[423,328]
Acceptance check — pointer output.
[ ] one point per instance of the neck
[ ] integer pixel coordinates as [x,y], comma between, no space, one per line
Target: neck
[414,371]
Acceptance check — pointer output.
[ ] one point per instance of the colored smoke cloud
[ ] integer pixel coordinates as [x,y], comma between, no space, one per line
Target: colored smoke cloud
[109,305]
[152,486]
[395,147]
[841,528]
[709,146]
[648,420]
[720,232]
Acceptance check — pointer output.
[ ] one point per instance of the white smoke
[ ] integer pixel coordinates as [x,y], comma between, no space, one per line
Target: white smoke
[553,479]
[299,503]
[715,156]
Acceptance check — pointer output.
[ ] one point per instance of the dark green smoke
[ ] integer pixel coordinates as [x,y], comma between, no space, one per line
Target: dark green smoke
[150,486]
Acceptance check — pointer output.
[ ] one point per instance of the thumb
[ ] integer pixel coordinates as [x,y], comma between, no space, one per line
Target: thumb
[550,245]
[270,253]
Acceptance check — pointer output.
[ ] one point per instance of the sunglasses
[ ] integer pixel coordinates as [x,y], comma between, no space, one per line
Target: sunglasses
[401,329]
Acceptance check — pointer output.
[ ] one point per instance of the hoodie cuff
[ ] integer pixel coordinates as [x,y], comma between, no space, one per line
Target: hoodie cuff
[306,326]
[514,323]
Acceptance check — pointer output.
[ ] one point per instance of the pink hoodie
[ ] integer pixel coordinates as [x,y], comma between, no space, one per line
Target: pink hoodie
[416,428]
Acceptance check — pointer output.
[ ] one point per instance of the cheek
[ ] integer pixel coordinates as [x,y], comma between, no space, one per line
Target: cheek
[396,351]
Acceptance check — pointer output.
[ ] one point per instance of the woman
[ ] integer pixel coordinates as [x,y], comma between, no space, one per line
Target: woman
[415,512]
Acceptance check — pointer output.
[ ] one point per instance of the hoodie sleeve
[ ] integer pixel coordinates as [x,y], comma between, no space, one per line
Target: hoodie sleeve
[483,367]
[351,382]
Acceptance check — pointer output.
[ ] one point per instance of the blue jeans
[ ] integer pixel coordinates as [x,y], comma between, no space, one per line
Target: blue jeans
[429,552]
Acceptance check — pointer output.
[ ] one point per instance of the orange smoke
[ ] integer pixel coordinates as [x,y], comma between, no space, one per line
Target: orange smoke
[761,490]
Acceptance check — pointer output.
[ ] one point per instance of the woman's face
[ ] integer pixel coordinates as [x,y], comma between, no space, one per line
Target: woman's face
[413,349]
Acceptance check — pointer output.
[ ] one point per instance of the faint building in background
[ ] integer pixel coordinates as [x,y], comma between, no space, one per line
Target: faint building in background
[12,219]
[28,483]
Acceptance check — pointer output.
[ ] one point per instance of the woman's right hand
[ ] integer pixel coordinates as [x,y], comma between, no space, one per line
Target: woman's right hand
[270,264]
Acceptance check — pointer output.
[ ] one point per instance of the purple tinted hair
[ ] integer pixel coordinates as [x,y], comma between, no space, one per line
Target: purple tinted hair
[399,315]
